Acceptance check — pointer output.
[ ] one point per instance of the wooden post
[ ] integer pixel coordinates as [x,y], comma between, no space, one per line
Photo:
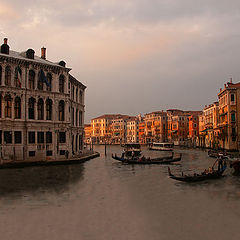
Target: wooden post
[105,148]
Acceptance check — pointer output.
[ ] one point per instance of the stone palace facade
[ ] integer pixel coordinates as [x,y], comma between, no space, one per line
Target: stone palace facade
[41,108]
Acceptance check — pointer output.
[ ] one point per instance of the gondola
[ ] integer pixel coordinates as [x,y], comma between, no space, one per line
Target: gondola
[214,174]
[143,160]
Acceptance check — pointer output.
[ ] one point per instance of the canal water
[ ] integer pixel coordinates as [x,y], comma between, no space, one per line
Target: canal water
[105,200]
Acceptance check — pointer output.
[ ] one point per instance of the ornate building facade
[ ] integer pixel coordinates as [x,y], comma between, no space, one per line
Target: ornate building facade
[41,108]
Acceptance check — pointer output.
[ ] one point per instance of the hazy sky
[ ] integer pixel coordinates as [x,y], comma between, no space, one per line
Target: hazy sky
[134,56]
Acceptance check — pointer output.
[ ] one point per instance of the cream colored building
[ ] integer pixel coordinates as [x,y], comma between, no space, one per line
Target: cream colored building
[133,130]
[35,108]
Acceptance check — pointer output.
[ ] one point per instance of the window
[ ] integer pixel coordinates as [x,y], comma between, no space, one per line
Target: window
[8,76]
[0,136]
[18,137]
[18,77]
[232,98]
[8,137]
[73,89]
[49,153]
[62,152]
[233,134]
[31,153]
[62,137]
[40,137]
[61,110]
[31,137]
[61,84]
[31,79]
[8,106]
[80,118]
[40,80]
[49,82]
[48,137]
[76,94]
[233,117]
[76,117]
[31,103]
[49,109]
[40,108]
[17,108]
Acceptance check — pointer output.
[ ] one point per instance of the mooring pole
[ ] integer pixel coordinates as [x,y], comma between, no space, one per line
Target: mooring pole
[105,148]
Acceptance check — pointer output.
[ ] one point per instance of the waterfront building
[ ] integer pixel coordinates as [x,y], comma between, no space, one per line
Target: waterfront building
[155,127]
[193,132]
[180,131]
[141,132]
[210,130]
[87,133]
[132,130]
[102,129]
[119,128]
[35,108]
[229,121]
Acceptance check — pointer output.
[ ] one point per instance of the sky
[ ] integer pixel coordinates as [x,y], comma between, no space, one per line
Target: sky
[134,56]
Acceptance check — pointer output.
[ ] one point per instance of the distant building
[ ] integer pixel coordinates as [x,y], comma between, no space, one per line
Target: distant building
[155,127]
[36,100]
[133,130]
[87,133]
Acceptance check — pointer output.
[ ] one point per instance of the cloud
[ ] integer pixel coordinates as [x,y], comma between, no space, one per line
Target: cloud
[167,53]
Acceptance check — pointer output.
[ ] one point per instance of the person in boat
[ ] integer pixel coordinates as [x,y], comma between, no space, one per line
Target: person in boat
[122,155]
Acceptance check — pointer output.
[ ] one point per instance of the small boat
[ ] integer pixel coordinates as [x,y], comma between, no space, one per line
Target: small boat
[132,149]
[214,174]
[161,146]
[216,154]
[144,160]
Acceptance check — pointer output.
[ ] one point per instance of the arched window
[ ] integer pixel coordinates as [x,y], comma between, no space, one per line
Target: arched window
[61,84]
[31,79]
[17,108]
[8,106]
[18,77]
[0,75]
[49,109]
[8,76]
[31,108]
[40,108]
[61,110]
[49,82]
[40,81]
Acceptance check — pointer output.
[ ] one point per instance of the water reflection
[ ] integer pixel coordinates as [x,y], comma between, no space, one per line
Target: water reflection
[55,179]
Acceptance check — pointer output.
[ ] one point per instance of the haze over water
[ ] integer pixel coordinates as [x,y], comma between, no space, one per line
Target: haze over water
[103,199]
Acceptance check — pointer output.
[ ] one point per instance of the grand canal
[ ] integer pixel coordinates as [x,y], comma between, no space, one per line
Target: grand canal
[105,200]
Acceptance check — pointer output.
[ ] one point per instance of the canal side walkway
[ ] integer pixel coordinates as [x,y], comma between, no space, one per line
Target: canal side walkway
[85,156]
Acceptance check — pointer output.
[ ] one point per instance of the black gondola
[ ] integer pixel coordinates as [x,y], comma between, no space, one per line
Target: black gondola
[214,174]
[143,160]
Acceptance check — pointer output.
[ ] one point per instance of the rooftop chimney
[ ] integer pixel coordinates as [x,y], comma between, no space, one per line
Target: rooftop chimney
[220,89]
[43,53]
[225,85]
[230,80]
